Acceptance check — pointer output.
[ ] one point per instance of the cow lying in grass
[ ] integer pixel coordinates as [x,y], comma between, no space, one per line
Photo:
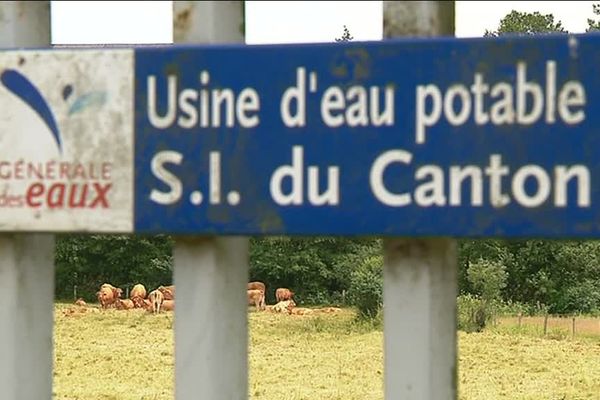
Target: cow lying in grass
[168,305]
[168,292]
[284,306]
[300,311]
[80,302]
[124,304]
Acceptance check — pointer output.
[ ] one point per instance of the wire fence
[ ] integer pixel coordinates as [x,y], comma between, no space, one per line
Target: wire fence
[552,325]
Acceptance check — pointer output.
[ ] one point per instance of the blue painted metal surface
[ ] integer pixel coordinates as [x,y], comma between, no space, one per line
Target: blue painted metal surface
[514,123]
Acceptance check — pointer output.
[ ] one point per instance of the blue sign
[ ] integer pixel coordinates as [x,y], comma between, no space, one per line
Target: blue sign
[423,137]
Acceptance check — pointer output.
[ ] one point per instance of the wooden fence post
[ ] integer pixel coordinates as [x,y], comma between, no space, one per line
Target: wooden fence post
[27,262]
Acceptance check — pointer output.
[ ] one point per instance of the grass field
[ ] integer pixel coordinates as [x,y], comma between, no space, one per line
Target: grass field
[110,355]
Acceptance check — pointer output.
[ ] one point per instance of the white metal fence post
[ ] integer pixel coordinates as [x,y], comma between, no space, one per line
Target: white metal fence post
[420,275]
[27,262]
[211,333]
[211,339]
[24,24]
[26,316]
[420,319]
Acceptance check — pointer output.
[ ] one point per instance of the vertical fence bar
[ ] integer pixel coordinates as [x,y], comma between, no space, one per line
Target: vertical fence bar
[27,262]
[208,22]
[420,275]
[211,333]
[24,24]
[420,278]
[26,316]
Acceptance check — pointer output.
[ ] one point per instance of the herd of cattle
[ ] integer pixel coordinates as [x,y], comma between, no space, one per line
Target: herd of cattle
[163,299]
[285,302]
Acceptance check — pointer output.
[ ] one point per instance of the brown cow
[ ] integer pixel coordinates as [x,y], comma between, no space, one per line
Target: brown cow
[138,291]
[256,297]
[147,305]
[168,292]
[300,311]
[105,298]
[80,302]
[156,299]
[329,310]
[108,294]
[283,294]
[138,302]
[168,305]
[259,286]
[284,306]
[117,292]
[124,304]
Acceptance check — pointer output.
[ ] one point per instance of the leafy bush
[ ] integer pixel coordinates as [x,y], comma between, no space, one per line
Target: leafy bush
[315,298]
[473,313]
[366,287]
[584,298]
[512,308]
[488,278]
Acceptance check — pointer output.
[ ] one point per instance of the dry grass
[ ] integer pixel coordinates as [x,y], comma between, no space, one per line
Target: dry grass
[500,366]
[108,356]
[314,357]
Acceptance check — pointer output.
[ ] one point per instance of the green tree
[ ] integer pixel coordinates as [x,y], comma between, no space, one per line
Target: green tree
[470,250]
[366,286]
[346,36]
[317,269]
[594,25]
[488,278]
[88,261]
[525,23]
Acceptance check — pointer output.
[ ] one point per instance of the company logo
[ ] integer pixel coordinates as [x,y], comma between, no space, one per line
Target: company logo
[53,183]
[21,87]
[24,89]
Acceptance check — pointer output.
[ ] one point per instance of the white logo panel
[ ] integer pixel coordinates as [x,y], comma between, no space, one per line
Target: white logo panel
[66,140]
